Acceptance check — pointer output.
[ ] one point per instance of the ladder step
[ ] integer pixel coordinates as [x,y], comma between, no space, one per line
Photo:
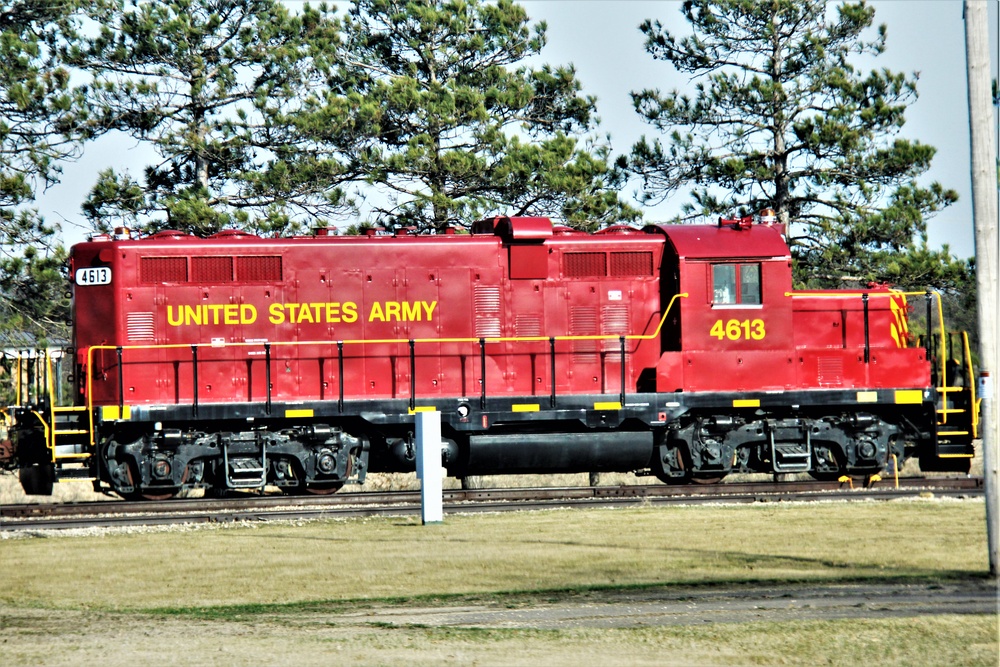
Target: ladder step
[791,457]
[245,473]
[75,475]
[79,431]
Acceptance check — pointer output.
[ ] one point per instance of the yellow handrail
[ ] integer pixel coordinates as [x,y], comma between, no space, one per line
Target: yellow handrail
[47,430]
[971,383]
[358,341]
[17,382]
[51,434]
[940,308]
[837,295]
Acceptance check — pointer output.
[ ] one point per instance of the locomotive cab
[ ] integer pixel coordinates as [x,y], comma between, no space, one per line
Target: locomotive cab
[733,330]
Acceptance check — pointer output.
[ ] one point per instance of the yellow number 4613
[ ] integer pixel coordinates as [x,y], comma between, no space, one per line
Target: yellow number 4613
[738,329]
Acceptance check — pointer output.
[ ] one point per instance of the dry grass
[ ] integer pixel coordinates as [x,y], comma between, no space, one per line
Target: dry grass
[377,558]
[111,640]
[283,594]
[69,491]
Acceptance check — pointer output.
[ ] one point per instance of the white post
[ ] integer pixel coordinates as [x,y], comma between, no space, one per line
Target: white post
[429,469]
[984,211]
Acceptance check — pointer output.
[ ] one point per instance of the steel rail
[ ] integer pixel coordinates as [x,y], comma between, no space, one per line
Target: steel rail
[107,514]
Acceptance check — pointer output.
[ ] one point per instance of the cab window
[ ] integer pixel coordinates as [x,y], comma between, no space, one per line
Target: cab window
[736,284]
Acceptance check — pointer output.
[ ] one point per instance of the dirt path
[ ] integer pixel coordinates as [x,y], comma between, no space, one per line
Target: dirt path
[608,628]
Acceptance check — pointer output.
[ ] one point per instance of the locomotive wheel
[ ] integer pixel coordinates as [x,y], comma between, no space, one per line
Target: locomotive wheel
[707,480]
[313,489]
[137,496]
[681,457]
[325,490]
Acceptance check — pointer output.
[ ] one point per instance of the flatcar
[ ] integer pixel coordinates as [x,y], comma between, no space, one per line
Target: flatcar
[680,351]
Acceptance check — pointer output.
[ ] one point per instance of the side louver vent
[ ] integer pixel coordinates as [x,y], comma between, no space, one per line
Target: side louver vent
[614,321]
[487,306]
[140,328]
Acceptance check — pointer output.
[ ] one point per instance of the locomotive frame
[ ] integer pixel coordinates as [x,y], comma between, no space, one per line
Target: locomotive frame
[854,398]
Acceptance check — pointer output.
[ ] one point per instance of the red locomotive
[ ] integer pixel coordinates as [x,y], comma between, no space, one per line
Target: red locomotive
[678,351]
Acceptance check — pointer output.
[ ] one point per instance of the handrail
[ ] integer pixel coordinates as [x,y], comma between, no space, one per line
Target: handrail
[942,355]
[837,295]
[47,430]
[357,341]
[51,433]
[891,293]
[971,383]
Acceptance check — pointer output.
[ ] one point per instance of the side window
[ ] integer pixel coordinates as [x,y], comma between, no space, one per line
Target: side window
[724,283]
[736,284]
[750,283]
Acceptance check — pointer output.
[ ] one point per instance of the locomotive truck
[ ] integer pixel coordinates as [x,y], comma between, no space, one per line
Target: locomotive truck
[680,351]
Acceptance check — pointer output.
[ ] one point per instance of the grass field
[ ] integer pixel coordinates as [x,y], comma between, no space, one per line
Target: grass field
[328,591]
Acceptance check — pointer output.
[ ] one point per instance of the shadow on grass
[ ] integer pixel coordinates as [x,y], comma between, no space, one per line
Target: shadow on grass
[589,594]
[715,557]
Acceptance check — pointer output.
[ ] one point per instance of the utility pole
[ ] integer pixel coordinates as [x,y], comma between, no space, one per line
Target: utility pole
[984,210]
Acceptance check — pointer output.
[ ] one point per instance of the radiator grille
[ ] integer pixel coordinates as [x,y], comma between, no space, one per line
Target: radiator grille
[264,268]
[212,269]
[153,270]
[631,264]
[585,264]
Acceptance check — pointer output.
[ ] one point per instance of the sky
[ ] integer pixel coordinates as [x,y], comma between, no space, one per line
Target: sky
[602,40]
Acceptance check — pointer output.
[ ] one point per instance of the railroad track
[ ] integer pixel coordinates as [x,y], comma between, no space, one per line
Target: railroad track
[268,508]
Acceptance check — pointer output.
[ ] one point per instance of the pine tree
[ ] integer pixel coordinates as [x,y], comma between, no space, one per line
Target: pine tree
[203,82]
[449,125]
[42,124]
[781,118]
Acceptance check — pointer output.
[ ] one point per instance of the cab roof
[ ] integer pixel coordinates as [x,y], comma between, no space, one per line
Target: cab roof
[724,241]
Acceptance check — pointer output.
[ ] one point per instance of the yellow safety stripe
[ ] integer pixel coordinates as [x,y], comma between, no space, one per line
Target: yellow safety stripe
[909,396]
[111,413]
